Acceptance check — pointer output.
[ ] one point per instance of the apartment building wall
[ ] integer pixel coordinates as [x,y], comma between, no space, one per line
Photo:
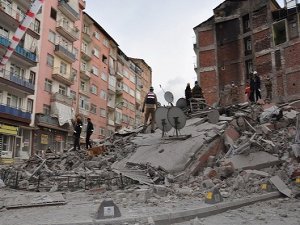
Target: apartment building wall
[17,81]
[239,39]
[58,75]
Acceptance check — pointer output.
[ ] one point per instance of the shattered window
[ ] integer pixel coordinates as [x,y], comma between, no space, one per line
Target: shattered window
[279,32]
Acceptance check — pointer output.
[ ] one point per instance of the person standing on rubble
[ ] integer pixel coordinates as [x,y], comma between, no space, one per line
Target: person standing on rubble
[268,85]
[77,132]
[197,91]
[89,132]
[257,86]
[150,102]
[188,94]
[252,88]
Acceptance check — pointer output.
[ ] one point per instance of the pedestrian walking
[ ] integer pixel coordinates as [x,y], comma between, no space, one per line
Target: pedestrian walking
[89,132]
[257,86]
[268,85]
[150,102]
[77,132]
[188,94]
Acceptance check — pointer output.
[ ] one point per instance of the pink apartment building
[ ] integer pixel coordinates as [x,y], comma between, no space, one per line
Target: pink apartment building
[58,75]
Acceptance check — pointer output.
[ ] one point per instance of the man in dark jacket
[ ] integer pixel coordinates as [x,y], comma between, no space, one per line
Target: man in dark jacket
[77,132]
[257,86]
[197,91]
[188,94]
[89,132]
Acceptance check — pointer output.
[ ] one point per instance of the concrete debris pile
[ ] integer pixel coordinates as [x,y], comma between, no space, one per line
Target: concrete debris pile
[252,149]
[70,169]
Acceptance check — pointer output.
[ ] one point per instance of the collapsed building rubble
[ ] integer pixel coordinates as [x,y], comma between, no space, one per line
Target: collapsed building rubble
[239,156]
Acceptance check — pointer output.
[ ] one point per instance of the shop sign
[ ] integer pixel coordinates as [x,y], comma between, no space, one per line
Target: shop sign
[10,130]
[44,139]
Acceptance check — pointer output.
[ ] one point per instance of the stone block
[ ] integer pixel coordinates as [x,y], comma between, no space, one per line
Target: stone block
[208,183]
[160,190]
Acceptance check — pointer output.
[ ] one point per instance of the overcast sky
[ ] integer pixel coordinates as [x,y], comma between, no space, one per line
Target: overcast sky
[158,31]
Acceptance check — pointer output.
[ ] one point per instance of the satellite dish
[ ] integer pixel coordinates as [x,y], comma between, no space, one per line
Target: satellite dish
[181,103]
[161,119]
[176,118]
[169,97]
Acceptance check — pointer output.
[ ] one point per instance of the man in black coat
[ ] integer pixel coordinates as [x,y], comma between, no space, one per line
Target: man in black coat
[89,131]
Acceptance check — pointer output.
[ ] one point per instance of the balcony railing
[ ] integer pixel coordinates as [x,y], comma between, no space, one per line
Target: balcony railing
[71,13]
[28,55]
[71,33]
[111,122]
[8,75]
[57,97]
[67,78]
[85,73]
[86,54]
[86,34]
[14,111]
[65,53]
[111,104]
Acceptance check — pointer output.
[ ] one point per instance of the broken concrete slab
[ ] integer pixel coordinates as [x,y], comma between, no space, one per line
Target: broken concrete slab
[34,200]
[256,160]
[281,186]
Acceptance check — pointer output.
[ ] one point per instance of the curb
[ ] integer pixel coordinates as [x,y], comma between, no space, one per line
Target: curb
[181,216]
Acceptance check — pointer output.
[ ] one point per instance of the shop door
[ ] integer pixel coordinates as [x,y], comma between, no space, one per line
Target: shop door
[18,147]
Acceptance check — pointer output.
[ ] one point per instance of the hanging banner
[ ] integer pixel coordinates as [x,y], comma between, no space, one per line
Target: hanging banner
[44,139]
[10,130]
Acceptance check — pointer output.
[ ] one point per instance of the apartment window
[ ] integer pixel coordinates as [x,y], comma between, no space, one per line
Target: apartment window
[138,95]
[125,88]
[84,47]
[96,52]
[132,78]
[246,23]
[4,32]
[126,74]
[84,102]
[102,112]
[104,76]
[14,101]
[32,77]
[104,59]
[48,85]
[36,26]
[29,105]
[131,92]
[62,90]
[94,89]
[53,13]
[85,29]
[73,95]
[83,86]
[17,71]
[102,131]
[50,60]
[74,74]
[46,109]
[51,36]
[279,32]
[95,70]
[97,35]
[63,68]
[103,94]
[106,43]
[93,109]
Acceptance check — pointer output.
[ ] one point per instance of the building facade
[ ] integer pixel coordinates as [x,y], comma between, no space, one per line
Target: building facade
[17,81]
[65,66]
[243,36]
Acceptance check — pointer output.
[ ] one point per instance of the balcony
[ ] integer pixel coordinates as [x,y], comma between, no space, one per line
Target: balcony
[86,35]
[70,33]
[84,91]
[111,122]
[86,54]
[14,113]
[67,10]
[12,18]
[111,105]
[49,121]
[66,100]
[85,74]
[65,53]
[119,89]
[119,75]
[7,78]
[66,79]
[21,54]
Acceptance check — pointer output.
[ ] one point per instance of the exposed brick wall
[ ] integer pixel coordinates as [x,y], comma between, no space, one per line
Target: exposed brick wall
[291,55]
[280,86]
[229,52]
[293,83]
[259,17]
[207,58]
[230,73]
[264,65]
[209,84]
[206,38]
[262,40]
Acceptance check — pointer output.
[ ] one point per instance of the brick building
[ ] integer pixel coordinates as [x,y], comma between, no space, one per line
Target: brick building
[243,36]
